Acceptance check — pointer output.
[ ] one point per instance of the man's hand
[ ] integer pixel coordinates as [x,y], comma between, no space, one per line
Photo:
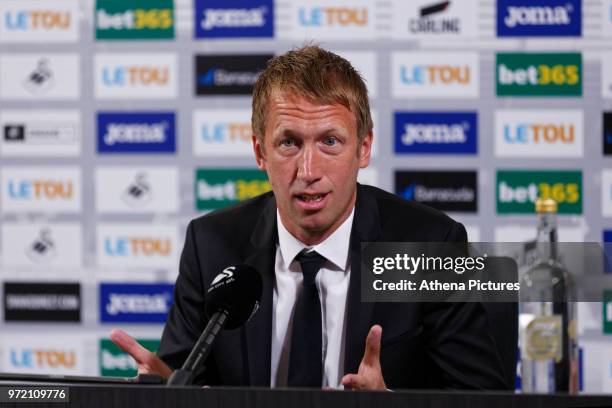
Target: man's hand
[370,375]
[148,363]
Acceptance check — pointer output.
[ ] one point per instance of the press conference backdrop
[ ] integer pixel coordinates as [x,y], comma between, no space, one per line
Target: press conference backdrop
[122,120]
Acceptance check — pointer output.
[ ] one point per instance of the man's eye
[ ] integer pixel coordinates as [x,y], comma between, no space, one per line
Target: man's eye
[330,141]
[287,142]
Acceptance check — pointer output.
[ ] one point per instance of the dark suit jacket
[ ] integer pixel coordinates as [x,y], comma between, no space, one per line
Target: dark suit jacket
[424,345]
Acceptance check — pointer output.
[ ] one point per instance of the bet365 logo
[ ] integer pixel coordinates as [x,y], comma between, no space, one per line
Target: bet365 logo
[539,74]
[518,190]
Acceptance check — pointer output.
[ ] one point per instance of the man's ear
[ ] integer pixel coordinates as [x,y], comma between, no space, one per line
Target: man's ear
[258,149]
[365,149]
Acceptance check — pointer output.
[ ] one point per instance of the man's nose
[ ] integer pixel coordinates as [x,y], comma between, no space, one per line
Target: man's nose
[310,165]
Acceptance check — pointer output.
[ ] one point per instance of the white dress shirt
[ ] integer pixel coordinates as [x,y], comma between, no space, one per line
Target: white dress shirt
[332,282]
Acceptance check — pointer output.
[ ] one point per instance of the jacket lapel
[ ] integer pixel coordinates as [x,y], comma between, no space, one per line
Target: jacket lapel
[366,228]
[261,255]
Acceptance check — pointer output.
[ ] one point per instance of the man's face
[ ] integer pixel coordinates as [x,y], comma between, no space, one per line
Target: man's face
[312,155]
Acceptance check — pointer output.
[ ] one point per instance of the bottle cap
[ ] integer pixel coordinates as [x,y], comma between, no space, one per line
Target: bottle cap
[546,205]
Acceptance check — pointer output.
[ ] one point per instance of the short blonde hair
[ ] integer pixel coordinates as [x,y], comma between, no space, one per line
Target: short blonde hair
[317,75]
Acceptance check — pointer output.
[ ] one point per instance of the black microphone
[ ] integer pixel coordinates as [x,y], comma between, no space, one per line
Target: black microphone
[231,300]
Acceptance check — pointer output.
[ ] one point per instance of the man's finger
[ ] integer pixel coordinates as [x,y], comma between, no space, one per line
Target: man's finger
[127,343]
[371,355]
[349,381]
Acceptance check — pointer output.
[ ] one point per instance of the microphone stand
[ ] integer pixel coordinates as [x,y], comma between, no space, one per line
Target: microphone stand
[184,375]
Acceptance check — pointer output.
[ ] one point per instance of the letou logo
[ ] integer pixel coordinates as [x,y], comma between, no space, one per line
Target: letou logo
[41,189]
[137,245]
[436,132]
[134,19]
[435,19]
[228,74]
[218,188]
[42,302]
[539,74]
[48,354]
[135,302]
[444,190]
[518,190]
[137,190]
[23,21]
[539,18]
[40,76]
[135,76]
[435,75]
[332,19]
[40,133]
[49,246]
[222,133]
[115,362]
[234,18]
[136,132]
[547,133]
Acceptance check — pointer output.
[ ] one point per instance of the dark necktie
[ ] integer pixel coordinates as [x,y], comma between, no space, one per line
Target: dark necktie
[306,355]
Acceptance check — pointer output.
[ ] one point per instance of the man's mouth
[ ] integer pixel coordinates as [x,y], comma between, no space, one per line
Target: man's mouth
[311,197]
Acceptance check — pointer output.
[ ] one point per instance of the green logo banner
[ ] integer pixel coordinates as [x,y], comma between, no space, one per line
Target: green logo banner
[539,74]
[134,19]
[218,188]
[114,362]
[607,312]
[517,190]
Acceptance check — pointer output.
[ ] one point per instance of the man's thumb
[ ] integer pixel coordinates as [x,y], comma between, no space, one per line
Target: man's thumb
[372,347]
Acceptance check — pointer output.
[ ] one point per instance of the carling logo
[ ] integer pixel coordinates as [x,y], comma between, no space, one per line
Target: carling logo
[539,18]
[40,77]
[27,21]
[136,132]
[137,190]
[134,19]
[444,190]
[48,246]
[222,133]
[135,302]
[435,75]
[435,19]
[137,245]
[331,19]
[48,354]
[546,133]
[40,133]
[218,188]
[41,189]
[234,18]
[42,302]
[135,76]
[435,132]
[228,74]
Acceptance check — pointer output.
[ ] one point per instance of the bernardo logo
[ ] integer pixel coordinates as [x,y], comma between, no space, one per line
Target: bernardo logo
[138,132]
[137,245]
[518,190]
[44,189]
[435,75]
[228,74]
[546,74]
[550,18]
[435,132]
[134,19]
[222,133]
[607,133]
[35,21]
[42,302]
[523,133]
[444,190]
[135,303]
[218,188]
[115,362]
[234,18]
[127,76]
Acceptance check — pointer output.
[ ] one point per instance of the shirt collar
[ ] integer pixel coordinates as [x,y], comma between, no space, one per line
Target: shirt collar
[335,248]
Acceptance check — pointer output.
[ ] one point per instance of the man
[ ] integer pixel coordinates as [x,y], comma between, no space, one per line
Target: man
[312,133]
